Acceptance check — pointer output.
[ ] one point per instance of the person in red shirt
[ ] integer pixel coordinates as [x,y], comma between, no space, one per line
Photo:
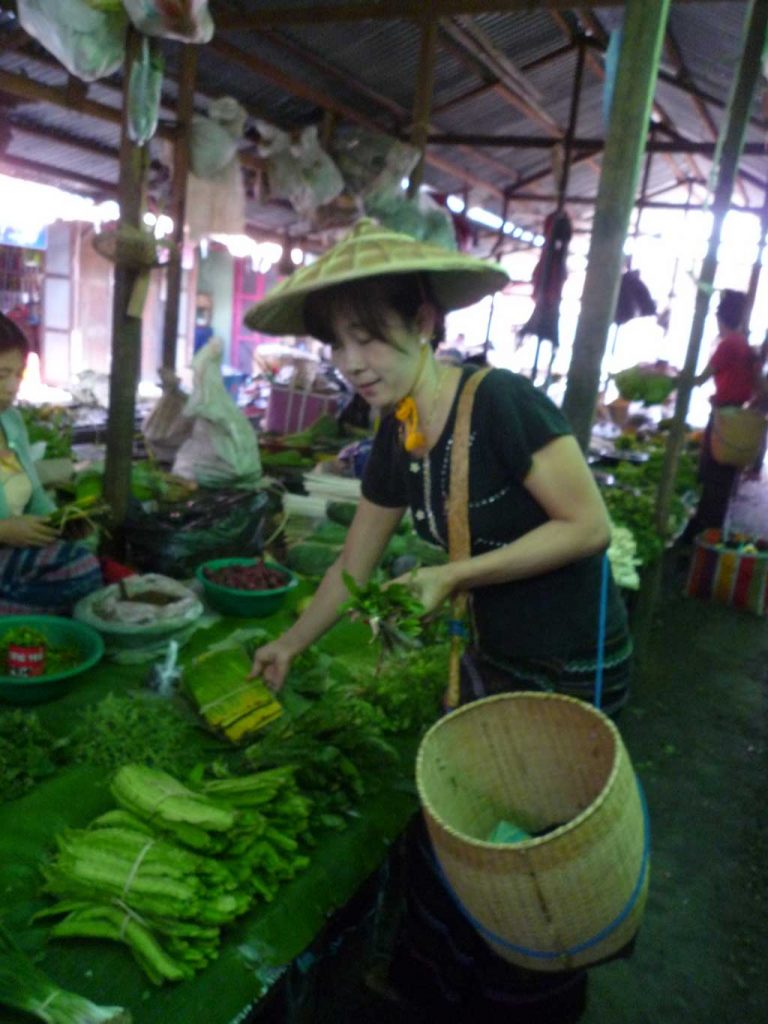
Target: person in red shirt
[735,370]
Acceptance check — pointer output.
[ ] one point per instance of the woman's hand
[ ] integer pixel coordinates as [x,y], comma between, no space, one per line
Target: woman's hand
[27,531]
[431,585]
[272,661]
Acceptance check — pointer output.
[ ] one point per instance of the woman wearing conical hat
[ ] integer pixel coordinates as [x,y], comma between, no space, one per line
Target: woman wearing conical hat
[537,522]
[537,532]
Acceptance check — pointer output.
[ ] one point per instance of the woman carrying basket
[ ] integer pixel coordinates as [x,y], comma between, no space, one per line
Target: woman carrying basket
[537,532]
[736,370]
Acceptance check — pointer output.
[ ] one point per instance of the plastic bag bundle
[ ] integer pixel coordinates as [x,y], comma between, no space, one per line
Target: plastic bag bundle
[299,170]
[215,192]
[217,523]
[222,448]
[89,42]
[189,20]
[372,162]
[213,140]
[166,427]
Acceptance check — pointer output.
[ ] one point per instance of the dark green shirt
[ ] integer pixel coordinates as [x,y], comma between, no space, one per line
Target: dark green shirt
[551,615]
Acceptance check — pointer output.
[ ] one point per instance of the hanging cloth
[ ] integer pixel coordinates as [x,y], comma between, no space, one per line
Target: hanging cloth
[634,298]
[548,279]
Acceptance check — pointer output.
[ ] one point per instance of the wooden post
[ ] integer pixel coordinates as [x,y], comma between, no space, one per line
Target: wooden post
[724,174]
[178,205]
[126,329]
[754,277]
[570,134]
[645,21]
[423,101]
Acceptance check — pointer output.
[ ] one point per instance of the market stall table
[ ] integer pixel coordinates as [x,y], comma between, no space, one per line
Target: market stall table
[257,948]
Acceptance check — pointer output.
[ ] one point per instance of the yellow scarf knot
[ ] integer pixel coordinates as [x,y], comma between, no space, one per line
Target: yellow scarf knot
[408,414]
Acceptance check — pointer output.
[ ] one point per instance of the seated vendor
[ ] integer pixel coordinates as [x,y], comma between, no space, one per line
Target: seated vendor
[39,573]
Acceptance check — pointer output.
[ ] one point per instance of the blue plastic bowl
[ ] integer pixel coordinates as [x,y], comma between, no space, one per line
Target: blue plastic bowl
[244,604]
[58,632]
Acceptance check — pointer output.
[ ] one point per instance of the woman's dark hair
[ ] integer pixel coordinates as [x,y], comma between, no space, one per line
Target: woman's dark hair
[12,336]
[731,308]
[367,302]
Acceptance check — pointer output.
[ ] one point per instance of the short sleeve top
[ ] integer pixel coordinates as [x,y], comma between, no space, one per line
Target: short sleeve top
[554,614]
[734,367]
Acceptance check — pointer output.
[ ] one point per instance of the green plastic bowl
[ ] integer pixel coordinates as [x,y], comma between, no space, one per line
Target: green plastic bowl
[244,604]
[60,633]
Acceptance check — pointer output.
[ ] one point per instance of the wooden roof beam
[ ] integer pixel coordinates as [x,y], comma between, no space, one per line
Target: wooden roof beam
[675,55]
[400,116]
[393,9]
[567,25]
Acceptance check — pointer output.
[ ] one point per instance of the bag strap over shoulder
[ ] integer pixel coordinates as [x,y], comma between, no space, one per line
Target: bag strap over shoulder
[459,540]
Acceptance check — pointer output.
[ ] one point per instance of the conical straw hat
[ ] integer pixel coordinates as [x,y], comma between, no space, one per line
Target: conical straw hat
[369,250]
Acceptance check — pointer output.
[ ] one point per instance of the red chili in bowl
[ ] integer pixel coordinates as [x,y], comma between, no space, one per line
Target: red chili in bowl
[252,576]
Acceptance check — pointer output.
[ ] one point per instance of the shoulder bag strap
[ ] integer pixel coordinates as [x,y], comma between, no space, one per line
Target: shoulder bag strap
[459,541]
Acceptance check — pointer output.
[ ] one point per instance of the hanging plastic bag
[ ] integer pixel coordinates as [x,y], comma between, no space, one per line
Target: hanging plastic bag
[222,449]
[215,191]
[371,162]
[299,171]
[188,20]
[90,43]
[144,93]
[213,140]
[166,427]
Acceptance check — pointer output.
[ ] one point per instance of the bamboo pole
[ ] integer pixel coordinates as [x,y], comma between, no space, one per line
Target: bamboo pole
[126,329]
[423,101]
[178,205]
[644,25]
[724,176]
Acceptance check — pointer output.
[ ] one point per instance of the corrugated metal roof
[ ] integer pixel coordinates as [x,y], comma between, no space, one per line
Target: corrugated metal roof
[369,70]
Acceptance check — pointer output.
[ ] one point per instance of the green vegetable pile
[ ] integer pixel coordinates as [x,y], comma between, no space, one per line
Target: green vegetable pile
[137,727]
[173,864]
[336,747]
[645,384]
[408,690]
[28,752]
[49,423]
[632,501]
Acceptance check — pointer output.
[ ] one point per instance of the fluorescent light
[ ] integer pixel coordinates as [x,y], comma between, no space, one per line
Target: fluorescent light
[455,204]
[485,217]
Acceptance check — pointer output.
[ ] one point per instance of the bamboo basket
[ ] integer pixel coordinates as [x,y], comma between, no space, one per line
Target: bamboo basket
[737,436]
[573,896]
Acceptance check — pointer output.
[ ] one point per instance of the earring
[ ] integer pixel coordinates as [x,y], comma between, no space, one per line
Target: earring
[423,339]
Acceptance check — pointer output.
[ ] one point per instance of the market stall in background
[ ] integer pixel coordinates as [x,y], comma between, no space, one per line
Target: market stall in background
[169,828]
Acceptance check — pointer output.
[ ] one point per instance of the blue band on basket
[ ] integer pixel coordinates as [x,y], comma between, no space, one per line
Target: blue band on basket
[601,617]
[540,954]
[457,628]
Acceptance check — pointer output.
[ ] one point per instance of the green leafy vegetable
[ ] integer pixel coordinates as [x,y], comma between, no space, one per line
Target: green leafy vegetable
[24,986]
[146,728]
[28,752]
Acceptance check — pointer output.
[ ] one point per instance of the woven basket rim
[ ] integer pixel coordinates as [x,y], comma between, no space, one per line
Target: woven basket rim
[524,845]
